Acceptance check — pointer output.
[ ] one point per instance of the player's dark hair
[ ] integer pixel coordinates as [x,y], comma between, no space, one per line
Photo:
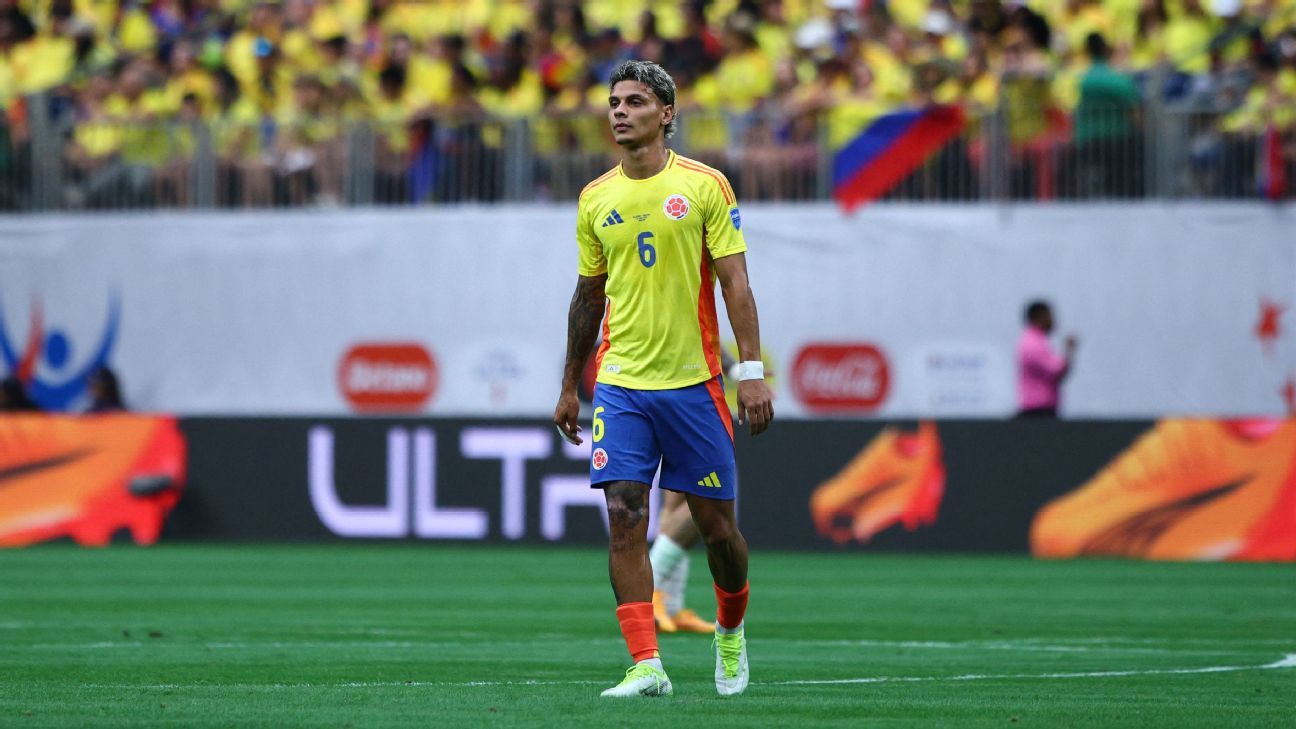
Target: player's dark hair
[1036,309]
[654,77]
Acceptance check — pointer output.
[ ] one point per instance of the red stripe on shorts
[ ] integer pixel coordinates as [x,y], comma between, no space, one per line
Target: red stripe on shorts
[717,397]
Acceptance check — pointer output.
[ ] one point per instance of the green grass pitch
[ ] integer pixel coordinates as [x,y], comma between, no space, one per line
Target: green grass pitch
[438,636]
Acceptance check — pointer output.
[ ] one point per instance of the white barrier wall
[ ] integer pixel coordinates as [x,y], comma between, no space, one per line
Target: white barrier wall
[897,311]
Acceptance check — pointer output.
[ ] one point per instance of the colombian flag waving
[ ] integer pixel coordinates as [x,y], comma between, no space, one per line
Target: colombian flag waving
[889,149]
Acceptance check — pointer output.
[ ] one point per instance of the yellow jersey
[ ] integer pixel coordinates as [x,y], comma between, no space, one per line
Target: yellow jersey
[656,239]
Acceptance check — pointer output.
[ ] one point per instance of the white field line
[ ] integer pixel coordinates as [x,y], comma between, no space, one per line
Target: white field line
[1024,645]
[323,644]
[1116,640]
[1288,661]
[467,638]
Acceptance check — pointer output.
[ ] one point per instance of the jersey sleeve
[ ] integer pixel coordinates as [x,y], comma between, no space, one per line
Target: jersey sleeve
[590,259]
[723,223]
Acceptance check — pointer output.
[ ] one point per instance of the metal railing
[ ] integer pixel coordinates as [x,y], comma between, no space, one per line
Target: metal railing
[1002,155]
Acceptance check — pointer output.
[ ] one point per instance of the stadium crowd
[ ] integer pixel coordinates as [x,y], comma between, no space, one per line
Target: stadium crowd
[763,86]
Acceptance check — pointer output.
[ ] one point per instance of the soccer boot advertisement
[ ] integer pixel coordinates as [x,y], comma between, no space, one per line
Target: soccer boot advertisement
[1186,489]
[88,478]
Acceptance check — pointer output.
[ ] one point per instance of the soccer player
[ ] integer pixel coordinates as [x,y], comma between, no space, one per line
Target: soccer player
[654,234]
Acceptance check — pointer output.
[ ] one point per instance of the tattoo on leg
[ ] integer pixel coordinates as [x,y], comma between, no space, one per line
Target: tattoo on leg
[627,510]
[628,565]
[626,507]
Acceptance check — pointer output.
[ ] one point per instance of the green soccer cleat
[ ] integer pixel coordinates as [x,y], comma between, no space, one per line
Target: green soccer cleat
[731,672]
[641,679]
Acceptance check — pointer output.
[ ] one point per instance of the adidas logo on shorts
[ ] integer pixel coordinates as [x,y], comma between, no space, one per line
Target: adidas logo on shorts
[712,481]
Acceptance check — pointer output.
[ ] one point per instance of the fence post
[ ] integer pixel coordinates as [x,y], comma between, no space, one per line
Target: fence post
[359,182]
[519,162]
[824,177]
[994,174]
[1164,131]
[46,155]
[1153,129]
[202,173]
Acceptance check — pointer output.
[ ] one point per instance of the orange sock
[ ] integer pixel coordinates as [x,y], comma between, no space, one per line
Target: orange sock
[730,606]
[639,629]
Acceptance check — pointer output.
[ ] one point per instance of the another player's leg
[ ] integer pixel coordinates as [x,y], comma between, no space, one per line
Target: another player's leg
[727,557]
[676,534]
[631,574]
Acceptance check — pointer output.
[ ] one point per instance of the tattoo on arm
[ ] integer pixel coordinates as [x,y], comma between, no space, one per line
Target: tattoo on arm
[583,317]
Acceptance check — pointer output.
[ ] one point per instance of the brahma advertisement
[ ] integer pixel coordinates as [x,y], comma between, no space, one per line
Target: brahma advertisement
[387,377]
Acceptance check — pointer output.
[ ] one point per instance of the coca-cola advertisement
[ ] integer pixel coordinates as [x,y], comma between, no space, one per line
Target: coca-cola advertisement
[841,377]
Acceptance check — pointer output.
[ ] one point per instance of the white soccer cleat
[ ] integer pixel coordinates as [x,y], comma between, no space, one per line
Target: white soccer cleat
[731,672]
[641,679]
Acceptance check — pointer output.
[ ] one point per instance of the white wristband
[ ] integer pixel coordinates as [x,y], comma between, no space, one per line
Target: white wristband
[751,371]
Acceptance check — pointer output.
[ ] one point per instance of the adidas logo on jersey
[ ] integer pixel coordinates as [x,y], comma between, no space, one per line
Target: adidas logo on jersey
[613,219]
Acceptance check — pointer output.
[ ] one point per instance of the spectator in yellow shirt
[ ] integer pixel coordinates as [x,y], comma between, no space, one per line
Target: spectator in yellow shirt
[392,116]
[91,156]
[140,106]
[187,77]
[1230,169]
[243,155]
[299,48]
[309,149]
[335,63]
[43,61]
[745,74]
[1076,19]
[781,155]
[1148,48]
[1188,36]
[571,137]
[172,179]
[242,51]
[136,34]
[271,87]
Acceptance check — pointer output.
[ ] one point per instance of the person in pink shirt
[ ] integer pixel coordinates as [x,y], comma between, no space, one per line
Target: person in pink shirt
[1040,369]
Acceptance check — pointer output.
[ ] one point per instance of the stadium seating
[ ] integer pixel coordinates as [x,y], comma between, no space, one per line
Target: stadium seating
[254,102]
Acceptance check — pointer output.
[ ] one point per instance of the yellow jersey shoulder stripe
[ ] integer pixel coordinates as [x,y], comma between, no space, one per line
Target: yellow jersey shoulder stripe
[600,180]
[726,190]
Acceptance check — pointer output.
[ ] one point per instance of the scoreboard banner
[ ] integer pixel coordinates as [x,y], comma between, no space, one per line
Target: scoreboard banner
[1170,489]
[898,311]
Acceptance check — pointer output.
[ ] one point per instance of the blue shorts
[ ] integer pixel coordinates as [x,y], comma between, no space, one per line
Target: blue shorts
[688,431]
